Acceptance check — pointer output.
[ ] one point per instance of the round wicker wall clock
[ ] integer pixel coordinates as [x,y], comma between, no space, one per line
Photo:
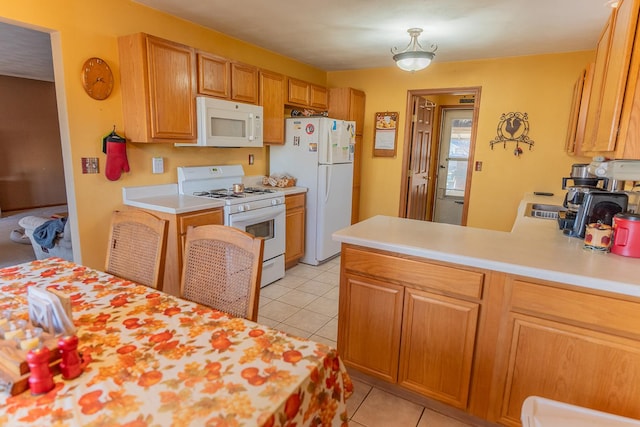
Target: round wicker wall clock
[97,78]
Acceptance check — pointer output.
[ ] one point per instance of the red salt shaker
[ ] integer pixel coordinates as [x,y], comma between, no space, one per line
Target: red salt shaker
[70,365]
[40,377]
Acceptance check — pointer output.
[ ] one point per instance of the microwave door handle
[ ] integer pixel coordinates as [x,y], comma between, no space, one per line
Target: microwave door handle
[251,127]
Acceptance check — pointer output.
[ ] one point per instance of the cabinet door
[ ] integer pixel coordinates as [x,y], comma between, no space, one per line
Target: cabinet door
[570,364]
[615,80]
[600,66]
[272,101]
[244,83]
[171,89]
[370,321]
[158,82]
[298,92]
[213,75]
[295,217]
[356,109]
[438,336]
[569,345]
[318,97]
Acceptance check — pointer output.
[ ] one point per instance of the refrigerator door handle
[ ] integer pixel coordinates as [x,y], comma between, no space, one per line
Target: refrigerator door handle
[327,185]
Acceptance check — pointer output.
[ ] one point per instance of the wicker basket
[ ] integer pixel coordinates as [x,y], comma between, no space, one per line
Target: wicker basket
[279,181]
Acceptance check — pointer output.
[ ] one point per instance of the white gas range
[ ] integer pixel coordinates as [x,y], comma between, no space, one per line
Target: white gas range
[257,211]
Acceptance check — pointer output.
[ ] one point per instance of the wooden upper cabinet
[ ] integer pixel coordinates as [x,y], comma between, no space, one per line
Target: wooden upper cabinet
[213,75]
[305,94]
[578,115]
[346,103]
[272,91]
[611,106]
[158,89]
[318,97]
[222,78]
[244,83]
[298,92]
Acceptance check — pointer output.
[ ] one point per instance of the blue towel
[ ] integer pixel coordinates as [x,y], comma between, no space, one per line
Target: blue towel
[46,234]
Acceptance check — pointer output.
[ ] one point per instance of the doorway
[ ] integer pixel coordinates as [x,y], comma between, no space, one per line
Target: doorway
[30,41]
[453,159]
[438,148]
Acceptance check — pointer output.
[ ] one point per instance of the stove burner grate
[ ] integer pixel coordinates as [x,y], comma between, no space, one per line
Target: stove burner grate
[222,193]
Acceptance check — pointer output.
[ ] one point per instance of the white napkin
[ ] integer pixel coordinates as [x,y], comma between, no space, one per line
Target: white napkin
[47,311]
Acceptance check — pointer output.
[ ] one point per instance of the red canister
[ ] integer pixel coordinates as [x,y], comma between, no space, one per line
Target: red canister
[626,234]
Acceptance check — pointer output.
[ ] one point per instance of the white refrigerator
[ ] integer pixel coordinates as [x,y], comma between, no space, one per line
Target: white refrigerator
[318,152]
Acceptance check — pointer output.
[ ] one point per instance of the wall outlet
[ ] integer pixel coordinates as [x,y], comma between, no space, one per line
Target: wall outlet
[157,165]
[251,159]
[90,165]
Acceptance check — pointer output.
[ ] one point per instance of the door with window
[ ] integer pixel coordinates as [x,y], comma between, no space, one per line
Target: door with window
[453,161]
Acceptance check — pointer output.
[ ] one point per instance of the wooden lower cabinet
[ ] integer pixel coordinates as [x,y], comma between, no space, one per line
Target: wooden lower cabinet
[295,226]
[482,341]
[438,340]
[567,345]
[370,322]
[178,224]
[396,324]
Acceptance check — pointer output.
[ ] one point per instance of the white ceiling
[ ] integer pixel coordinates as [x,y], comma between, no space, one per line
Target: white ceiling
[353,34]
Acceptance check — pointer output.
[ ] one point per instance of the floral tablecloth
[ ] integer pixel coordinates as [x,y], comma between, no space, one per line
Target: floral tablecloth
[155,360]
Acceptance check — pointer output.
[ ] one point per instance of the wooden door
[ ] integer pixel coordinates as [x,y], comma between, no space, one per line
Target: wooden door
[272,101]
[213,75]
[295,222]
[615,79]
[599,70]
[370,319]
[438,341]
[244,83]
[420,173]
[298,92]
[172,89]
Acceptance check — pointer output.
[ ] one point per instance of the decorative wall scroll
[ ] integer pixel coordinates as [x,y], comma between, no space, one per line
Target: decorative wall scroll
[513,127]
[386,134]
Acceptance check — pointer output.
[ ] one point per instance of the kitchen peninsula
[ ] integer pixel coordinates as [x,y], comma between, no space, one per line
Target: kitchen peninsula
[479,319]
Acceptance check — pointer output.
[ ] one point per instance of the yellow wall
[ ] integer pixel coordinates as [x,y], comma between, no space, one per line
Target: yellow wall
[541,86]
[88,28]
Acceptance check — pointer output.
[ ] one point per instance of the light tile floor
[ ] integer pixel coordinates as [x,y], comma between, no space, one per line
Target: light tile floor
[305,303]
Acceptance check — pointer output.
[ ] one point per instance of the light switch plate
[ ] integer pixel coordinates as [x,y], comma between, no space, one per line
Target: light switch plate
[158,165]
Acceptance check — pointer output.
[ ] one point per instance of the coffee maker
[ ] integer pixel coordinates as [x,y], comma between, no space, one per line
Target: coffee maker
[588,201]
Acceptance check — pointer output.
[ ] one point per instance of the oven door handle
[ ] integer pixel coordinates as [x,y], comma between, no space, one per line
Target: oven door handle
[263,216]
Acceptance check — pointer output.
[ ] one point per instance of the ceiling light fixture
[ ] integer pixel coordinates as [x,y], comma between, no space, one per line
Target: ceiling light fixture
[414,57]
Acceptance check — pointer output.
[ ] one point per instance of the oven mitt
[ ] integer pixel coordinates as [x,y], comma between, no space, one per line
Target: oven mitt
[116,159]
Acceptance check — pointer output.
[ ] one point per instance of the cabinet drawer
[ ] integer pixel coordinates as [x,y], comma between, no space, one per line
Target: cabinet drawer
[414,273]
[200,218]
[579,308]
[294,201]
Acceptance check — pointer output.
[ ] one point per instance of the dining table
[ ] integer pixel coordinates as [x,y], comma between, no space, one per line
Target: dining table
[153,359]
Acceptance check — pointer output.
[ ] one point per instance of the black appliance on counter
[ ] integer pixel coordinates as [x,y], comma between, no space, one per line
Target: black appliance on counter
[593,205]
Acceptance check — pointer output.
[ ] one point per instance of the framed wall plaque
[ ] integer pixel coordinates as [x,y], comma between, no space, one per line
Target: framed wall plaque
[385,140]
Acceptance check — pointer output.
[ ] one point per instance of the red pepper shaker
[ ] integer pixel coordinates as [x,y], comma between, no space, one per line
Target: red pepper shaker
[70,365]
[40,377]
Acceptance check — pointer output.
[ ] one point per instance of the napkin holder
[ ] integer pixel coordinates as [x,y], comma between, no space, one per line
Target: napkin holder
[50,310]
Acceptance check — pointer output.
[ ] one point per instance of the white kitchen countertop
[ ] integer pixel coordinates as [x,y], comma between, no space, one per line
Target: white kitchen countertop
[535,248]
[165,198]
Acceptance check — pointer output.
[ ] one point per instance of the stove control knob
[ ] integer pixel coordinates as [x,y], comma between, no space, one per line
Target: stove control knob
[240,208]
[247,207]
[275,202]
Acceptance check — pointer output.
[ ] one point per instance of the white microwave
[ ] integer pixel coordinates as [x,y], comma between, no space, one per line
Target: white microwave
[223,123]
